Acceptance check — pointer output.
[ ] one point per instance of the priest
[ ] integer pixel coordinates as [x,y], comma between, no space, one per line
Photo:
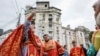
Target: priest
[51,47]
[22,41]
[76,51]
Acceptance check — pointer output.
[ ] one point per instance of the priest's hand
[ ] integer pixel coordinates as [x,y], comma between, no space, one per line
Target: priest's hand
[31,16]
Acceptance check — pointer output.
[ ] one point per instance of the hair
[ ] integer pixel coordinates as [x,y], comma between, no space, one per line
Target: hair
[81,45]
[73,41]
[65,46]
[45,35]
[90,35]
[33,22]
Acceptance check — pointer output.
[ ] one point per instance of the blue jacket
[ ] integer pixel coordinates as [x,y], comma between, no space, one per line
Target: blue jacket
[66,53]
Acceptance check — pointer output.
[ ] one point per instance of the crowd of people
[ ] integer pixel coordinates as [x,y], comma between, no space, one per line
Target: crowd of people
[23,42]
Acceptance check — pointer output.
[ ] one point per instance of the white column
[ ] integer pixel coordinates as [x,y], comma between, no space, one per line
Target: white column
[68,43]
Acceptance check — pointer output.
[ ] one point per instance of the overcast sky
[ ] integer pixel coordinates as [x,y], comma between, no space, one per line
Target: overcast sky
[74,12]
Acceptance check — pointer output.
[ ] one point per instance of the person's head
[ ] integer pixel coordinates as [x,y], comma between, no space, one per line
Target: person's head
[65,46]
[81,45]
[90,35]
[57,40]
[74,43]
[46,37]
[94,6]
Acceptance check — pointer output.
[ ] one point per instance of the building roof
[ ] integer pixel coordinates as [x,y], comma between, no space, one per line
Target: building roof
[67,28]
[28,7]
[49,8]
[63,27]
[42,2]
[82,28]
[55,8]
